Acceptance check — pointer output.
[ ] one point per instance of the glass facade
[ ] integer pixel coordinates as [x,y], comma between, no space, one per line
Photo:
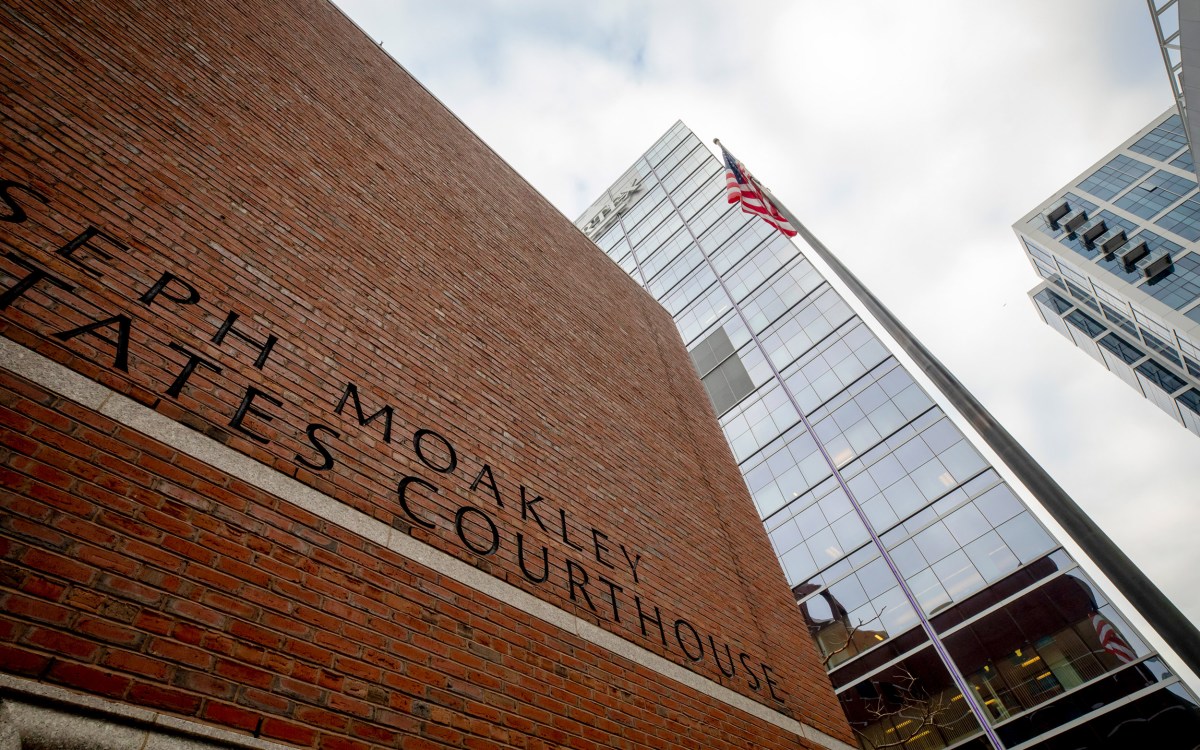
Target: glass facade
[1116,252]
[946,615]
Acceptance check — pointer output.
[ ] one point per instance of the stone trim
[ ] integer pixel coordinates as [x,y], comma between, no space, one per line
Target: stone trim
[35,716]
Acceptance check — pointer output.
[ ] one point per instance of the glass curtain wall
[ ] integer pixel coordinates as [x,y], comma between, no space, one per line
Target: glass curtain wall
[938,602]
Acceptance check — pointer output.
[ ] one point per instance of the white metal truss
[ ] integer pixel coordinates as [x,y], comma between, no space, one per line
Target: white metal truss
[1165,14]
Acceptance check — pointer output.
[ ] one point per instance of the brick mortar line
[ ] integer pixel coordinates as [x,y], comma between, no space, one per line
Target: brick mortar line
[67,383]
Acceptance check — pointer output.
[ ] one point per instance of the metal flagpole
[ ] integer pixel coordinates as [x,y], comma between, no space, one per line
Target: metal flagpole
[1162,614]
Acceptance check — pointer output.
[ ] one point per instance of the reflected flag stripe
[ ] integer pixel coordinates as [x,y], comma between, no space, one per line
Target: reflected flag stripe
[1112,642]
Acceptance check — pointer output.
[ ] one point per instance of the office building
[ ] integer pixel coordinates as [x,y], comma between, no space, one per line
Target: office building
[1121,278]
[321,428]
[1128,295]
[946,615]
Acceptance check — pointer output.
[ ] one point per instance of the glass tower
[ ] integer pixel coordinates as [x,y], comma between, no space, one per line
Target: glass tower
[946,614]
[1116,250]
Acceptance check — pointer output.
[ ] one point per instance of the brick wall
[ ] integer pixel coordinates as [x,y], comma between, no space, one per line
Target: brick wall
[188,182]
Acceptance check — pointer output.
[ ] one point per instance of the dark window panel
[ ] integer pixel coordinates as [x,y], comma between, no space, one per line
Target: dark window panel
[1167,719]
[1086,323]
[1122,349]
[1160,376]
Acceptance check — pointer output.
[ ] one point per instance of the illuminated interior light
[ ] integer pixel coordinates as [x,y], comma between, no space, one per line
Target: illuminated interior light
[878,637]
[1018,653]
[1027,662]
[1043,675]
[958,697]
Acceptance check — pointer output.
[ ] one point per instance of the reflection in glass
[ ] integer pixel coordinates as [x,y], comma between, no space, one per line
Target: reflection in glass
[1048,642]
[1077,704]
[828,619]
[857,613]
[912,705]
[1166,719]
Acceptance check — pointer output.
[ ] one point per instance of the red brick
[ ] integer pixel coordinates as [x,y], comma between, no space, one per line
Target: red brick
[247,573]
[14,501]
[287,731]
[178,652]
[190,550]
[128,661]
[153,622]
[17,660]
[40,587]
[107,560]
[265,701]
[185,632]
[62,644]
[319,717]
[123,525]
[156,696]
[105,442]
[153,554]
[197,612]
[35,609]
[109,632]
[333,742]
[129,590]
[18,443]
[89,679]
[203,683]
[227,715]
[87,531]
[34,532]
[231,605]
[348,705]
[300,690]
[59,566]
[10,630]
[244,675]
[309,652]
[373,732]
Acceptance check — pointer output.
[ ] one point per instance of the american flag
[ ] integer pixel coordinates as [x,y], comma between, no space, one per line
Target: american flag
[742,188]
[1112,642]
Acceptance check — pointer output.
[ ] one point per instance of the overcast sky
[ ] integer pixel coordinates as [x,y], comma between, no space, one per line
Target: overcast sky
[908,136]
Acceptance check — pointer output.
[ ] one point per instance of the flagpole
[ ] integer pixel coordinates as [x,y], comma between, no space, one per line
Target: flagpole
[1162,614]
